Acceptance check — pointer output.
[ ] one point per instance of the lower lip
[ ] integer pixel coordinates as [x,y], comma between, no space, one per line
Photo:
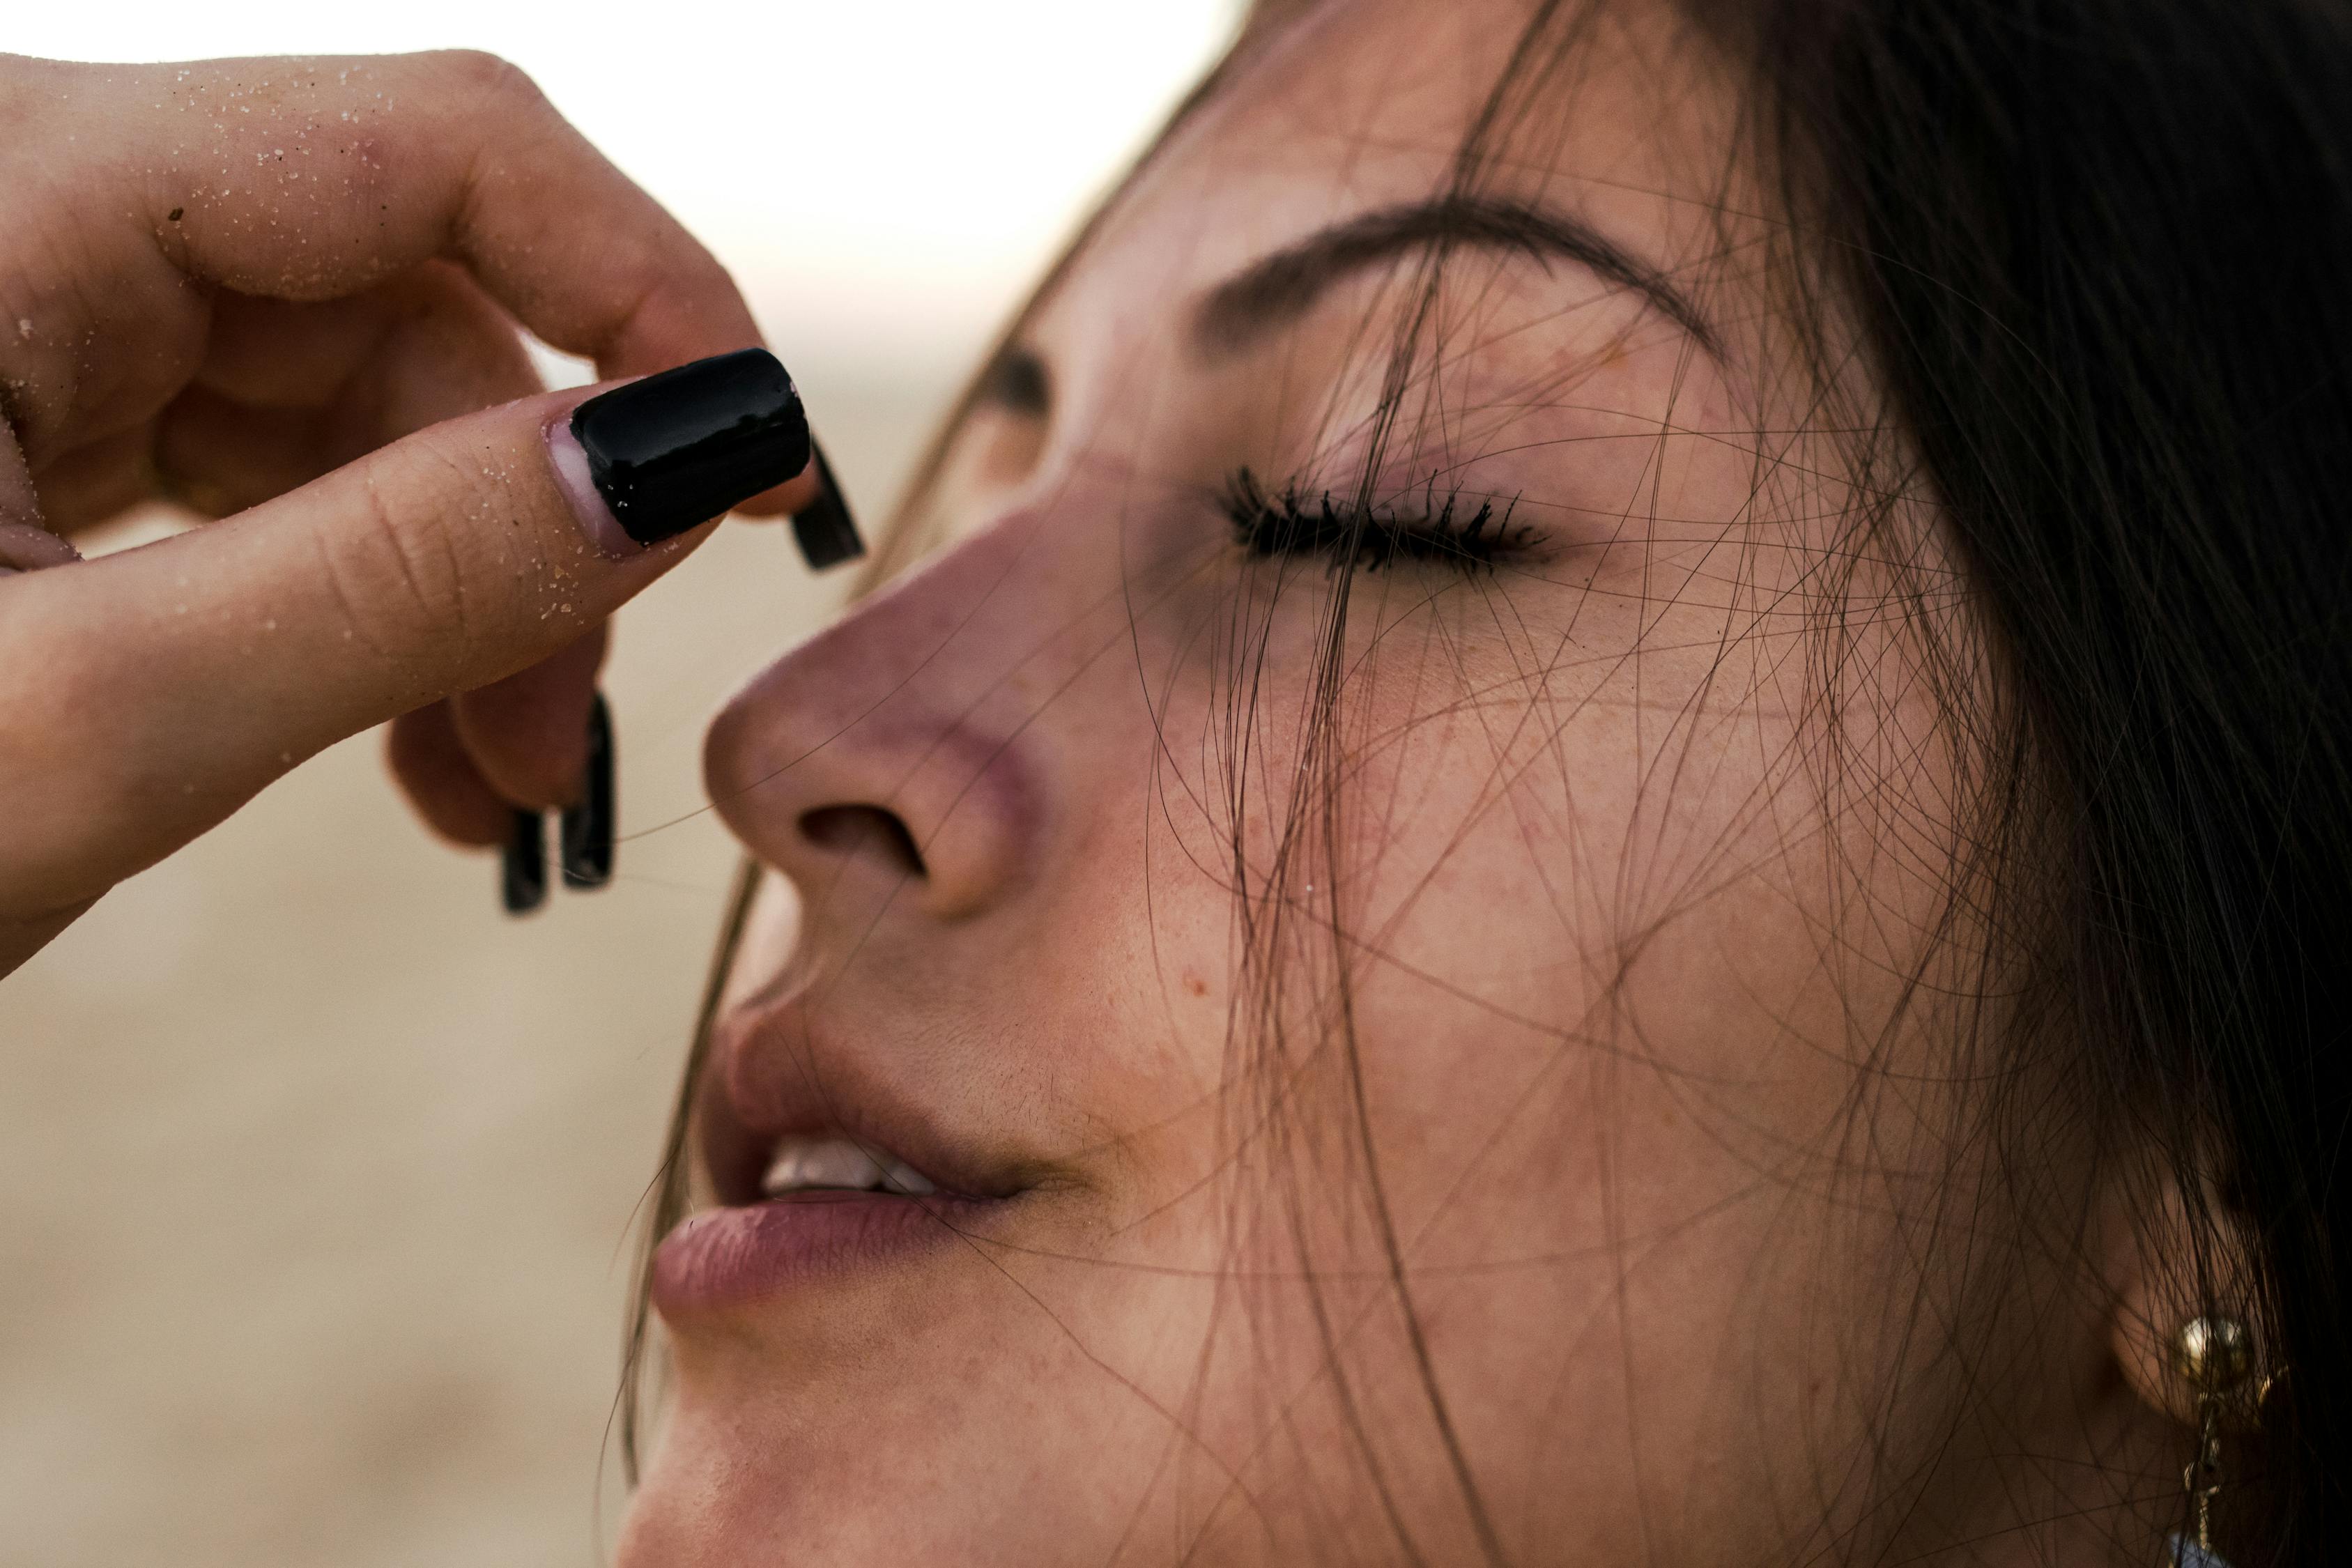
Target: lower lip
[731,1256]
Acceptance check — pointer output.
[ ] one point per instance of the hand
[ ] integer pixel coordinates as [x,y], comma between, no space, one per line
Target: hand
[285,286]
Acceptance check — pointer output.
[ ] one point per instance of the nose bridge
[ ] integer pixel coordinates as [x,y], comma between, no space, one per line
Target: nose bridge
[924,702]
[954,632]
[954,643]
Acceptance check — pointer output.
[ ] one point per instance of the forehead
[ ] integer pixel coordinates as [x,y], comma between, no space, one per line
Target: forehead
[1351,105]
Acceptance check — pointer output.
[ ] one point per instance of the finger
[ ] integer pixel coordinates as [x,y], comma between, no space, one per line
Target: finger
[369,370]
[782,501]
[98,480]
[429,763]
[428,347]
[528,735]
[216,457]
[21,938]
[289,390]
[25,542]
[149,693]
[430,337]
[315,179]
[302,353]
[23,547]
[19,501]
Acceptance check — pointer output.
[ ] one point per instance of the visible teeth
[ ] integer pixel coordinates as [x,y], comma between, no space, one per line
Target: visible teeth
[804,1163]
[801,1165]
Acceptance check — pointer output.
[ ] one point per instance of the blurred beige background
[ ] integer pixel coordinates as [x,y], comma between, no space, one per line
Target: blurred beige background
[319,1173]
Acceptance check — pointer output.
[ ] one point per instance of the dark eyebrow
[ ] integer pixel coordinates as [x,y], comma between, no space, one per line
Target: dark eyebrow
[1281,287]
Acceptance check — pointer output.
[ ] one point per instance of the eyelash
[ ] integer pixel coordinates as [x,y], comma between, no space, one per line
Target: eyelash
[1349,537]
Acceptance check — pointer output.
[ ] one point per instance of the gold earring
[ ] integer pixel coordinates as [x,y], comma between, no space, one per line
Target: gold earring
[2215,1356]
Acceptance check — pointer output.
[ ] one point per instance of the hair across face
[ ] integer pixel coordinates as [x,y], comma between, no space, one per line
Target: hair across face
[1443,867]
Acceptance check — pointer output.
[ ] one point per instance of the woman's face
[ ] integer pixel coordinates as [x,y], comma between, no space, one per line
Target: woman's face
[1464,1038]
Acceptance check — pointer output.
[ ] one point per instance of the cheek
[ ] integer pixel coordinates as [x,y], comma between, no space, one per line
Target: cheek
[1558,956]
[1631,952]
[1623,893]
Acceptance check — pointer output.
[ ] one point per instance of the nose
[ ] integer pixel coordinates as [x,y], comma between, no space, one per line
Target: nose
[900,747]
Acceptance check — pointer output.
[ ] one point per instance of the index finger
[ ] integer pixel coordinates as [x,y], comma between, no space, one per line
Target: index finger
[314,178]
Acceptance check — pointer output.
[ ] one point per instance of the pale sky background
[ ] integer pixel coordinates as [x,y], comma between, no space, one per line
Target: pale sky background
[882,174]
[317,1172]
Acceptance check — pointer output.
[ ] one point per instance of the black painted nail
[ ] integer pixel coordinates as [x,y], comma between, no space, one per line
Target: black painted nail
[522,863]
[826,532]
[587,834]
[678,448]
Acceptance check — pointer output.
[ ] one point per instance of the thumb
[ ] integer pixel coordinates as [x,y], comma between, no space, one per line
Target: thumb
[145,696]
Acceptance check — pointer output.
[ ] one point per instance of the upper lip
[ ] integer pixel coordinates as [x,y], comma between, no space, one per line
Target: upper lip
[775,1072]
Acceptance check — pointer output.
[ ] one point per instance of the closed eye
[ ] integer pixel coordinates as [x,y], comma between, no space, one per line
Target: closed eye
[1445,531]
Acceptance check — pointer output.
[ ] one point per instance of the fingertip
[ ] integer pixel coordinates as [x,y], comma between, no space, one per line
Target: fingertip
[528,735]
[28,547]
[796,494]
[822,525]
[440,782]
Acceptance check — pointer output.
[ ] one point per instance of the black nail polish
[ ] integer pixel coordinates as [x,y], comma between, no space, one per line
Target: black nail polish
[680,448]
[827,534]
[522,863]
[587,834]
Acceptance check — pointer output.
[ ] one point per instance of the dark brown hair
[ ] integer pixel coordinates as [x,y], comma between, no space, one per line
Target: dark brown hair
[2098,252]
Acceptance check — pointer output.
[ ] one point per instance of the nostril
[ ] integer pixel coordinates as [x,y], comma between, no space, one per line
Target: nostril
[868,830]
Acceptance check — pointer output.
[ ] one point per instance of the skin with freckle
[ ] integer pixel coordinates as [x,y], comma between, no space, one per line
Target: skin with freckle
[1428,1108]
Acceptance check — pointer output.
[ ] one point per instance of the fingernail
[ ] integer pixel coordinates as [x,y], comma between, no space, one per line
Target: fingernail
[522,863]
[676,449]
[826,533]
[587,834]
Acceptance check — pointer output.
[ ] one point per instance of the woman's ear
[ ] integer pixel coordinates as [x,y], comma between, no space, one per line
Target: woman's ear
[2180,1281]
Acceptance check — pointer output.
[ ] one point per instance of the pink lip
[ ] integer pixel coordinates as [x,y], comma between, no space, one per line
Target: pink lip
[773,1072]
[730,1257]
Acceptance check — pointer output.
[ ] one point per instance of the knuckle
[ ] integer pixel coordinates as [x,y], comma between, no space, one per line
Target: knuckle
[394,570]
[493,79]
